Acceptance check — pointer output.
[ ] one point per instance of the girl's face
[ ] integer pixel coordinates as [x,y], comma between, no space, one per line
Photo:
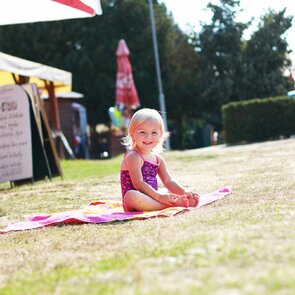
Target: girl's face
[146,136]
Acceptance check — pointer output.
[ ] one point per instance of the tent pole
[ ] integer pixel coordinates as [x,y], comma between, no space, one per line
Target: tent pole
[21,79]
[54,104]
[56,119]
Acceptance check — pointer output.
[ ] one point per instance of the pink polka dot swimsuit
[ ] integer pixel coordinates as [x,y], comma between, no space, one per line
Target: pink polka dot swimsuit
[149,173]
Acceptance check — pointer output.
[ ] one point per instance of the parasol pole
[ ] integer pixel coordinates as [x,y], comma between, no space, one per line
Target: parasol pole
[161,94]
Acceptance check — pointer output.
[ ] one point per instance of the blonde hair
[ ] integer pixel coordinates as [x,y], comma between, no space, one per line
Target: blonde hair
[140,117]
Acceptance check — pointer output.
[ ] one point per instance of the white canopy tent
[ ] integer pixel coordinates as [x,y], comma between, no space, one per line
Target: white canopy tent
[29,11]
[21,71]
[23,67]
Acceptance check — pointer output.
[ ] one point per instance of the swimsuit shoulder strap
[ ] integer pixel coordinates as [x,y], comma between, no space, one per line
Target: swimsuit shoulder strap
[157,159]
[139,154]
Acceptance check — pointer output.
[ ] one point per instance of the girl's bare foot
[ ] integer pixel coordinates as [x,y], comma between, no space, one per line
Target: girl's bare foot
[182,201]
[193,200]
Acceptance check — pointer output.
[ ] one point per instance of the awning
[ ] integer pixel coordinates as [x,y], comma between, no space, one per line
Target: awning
[36,73]
[29,11]
[22,71]
[28,68]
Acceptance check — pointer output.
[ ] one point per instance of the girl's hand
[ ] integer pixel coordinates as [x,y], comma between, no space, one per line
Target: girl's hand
[168,199]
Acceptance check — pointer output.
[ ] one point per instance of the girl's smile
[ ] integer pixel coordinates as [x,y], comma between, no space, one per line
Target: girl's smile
[147,135]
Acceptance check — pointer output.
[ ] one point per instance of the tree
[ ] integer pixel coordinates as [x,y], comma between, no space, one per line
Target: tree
[266,57]
[220,48]
[180,78]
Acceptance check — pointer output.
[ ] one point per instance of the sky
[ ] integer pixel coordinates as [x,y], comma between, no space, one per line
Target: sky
[191,12]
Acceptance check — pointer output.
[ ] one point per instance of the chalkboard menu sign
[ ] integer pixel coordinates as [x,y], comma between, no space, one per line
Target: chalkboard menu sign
[15,134]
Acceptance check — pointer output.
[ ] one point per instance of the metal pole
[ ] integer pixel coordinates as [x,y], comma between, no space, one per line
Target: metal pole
[161,94]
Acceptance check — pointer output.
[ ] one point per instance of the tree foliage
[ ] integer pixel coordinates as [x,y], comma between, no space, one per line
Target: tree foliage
[199,74]
[235,69]
[220,48]
[265,57]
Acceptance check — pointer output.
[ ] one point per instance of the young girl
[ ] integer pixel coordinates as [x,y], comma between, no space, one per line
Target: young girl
[142,164]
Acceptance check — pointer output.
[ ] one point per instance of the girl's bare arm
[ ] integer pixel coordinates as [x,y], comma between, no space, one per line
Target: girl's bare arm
[171,184]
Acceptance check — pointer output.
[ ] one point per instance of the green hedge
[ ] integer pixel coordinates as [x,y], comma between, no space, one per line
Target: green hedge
[258,119]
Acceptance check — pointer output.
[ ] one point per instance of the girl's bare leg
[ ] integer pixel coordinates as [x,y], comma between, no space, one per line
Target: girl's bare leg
[137,201]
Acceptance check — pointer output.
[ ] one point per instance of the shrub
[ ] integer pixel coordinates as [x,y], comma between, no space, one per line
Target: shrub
[258,119]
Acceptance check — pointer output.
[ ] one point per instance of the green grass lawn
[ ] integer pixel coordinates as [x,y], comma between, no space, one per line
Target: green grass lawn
[242,244]
[81,169]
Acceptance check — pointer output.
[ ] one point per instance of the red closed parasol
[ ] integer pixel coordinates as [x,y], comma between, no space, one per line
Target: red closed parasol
[126,94]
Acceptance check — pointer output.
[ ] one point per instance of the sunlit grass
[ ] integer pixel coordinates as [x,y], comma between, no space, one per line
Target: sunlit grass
[82,169]
[243,244]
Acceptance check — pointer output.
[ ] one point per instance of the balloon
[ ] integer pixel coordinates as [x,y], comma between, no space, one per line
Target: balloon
[116,117]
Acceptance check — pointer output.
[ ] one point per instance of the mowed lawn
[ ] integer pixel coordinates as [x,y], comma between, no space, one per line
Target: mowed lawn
[242,244]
